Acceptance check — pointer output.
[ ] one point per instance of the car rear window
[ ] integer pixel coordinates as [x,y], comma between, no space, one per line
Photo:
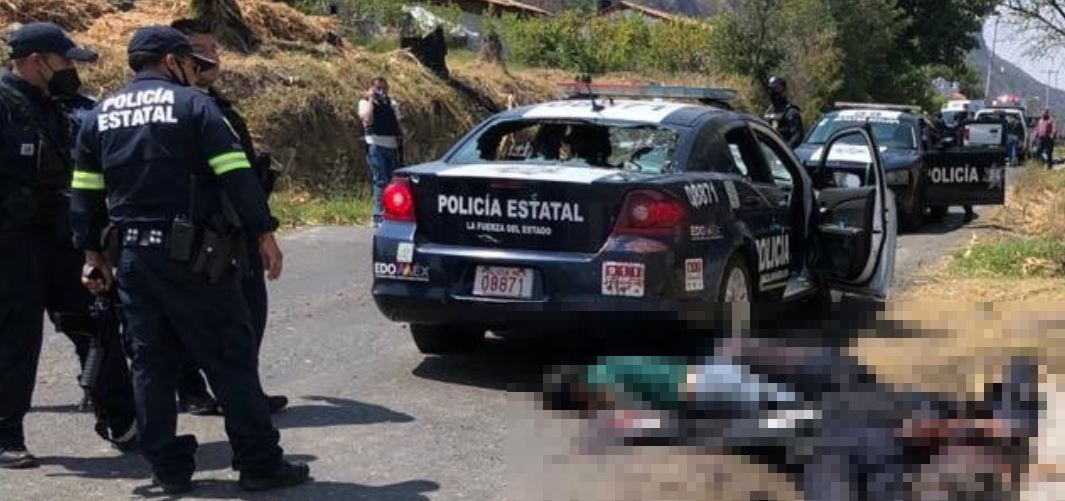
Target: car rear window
[627,146]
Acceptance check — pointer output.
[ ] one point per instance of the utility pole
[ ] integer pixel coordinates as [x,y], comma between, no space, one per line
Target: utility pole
[991,60]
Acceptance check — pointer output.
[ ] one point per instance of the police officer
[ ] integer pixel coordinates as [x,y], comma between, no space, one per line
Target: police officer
[192,390]
[39,268]
[160,163]
[783,115]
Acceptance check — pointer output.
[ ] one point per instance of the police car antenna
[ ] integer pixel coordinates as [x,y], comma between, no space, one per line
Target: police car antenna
[586,79]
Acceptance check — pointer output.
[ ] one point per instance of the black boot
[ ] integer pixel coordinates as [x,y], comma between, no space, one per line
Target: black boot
[288,475]
[173,486]
[199,405]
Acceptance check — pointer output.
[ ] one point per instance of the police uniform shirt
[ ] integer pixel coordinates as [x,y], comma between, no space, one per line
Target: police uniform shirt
[24,163]
[140,147]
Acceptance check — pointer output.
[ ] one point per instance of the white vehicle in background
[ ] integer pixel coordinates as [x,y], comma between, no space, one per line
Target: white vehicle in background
[987,128]
[959,109]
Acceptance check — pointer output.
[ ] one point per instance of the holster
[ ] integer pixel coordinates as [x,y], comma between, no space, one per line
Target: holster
[220,253]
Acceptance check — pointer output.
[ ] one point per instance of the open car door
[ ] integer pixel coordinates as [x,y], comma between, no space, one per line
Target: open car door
[855,225]
[968,175]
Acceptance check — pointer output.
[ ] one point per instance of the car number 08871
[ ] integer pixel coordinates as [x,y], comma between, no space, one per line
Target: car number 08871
[503,282]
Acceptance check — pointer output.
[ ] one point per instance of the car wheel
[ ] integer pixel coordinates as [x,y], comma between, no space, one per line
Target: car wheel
[735,293]
[938,212]
[912,221]
[736,282]
[446,339]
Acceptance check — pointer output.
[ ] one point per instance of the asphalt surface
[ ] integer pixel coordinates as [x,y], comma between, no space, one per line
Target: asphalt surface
[375,419]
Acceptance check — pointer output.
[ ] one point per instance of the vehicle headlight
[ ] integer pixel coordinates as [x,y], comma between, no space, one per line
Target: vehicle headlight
[901,176]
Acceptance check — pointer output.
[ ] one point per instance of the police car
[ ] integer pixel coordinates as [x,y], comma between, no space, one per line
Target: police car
[926,174]
[595,211]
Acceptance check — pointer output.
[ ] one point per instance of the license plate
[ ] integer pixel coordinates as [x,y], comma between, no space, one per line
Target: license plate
[497,281]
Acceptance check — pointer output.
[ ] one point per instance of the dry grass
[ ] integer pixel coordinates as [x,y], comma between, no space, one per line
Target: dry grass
[72,15]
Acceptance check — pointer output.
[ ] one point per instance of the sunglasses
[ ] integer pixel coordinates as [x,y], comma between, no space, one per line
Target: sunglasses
[203,64]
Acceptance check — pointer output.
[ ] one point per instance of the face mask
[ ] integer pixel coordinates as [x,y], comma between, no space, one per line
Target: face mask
[64,83]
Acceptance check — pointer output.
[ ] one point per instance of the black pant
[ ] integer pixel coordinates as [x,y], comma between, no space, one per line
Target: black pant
[170,313]
[253,288]
[40,271]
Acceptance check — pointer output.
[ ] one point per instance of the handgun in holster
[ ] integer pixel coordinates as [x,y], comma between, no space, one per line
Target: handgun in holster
[222,249]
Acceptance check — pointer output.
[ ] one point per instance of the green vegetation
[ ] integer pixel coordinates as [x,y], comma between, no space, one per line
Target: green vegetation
[878,50]
[297,208]
[1011,257]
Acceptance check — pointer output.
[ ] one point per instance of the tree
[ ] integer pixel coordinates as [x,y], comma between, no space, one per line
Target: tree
[745,39]
[232,29]
[1042,20]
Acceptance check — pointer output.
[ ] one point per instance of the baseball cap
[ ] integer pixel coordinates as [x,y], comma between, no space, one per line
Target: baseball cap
[159,40]
[47,38]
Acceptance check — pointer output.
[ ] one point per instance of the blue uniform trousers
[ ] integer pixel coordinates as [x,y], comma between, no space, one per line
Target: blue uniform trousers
[172,313]
[40,271]
[253,287]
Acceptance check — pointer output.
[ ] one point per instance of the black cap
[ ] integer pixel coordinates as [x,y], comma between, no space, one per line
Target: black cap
[47,38]
[160,40]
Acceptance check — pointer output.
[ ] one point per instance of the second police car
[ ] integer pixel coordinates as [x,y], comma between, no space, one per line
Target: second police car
[926,171]
[599,212]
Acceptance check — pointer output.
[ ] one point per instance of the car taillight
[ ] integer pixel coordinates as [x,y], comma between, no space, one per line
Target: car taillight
[651,214]
[398,200]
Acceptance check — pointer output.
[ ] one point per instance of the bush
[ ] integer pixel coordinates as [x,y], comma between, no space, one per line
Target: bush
[582,42]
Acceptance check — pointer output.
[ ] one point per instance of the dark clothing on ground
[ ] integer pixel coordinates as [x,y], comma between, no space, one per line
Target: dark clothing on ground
[40,271]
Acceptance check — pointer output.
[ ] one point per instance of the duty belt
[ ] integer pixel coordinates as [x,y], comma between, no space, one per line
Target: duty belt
[143,237]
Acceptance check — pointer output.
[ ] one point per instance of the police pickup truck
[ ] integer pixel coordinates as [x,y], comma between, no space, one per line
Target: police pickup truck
[925,172]
[595,211]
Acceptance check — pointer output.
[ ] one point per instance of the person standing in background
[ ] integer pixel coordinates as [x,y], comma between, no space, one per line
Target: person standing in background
[1046,132]
[384,138]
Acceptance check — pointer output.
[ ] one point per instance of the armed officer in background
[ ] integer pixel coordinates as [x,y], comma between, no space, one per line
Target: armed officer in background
[192,390]
[783,115]
[39,268]
[160,162]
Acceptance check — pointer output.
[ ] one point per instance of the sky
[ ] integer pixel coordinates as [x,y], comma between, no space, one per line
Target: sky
[1008,47]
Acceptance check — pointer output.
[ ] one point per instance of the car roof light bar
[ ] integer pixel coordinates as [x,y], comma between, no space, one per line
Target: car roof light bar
[879,106]
[583,91]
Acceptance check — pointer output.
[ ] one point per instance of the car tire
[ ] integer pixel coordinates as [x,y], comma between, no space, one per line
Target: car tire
[938,213]
[734,295]
[446,339]
[912,221]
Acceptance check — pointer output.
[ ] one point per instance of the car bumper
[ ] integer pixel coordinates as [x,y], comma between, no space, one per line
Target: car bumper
[567,291]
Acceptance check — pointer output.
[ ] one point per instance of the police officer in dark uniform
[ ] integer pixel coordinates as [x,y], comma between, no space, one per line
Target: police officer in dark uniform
[783,115]
[160,163]
[192,390]
[39,268]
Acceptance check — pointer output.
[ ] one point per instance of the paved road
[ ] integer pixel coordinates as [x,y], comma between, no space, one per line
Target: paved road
[375,419]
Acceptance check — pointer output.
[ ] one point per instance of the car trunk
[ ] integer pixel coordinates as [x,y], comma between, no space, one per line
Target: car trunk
[517,213]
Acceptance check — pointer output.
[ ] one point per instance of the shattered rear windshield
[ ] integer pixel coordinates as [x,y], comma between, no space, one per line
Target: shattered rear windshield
[607,145]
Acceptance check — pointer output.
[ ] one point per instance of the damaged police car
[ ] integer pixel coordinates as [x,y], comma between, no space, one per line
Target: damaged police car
[601,211]
[926,170]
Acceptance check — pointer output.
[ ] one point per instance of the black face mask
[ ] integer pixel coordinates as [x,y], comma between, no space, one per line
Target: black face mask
[64,83]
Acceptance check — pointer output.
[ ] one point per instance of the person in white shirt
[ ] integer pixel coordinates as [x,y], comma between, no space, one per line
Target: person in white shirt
[384,137]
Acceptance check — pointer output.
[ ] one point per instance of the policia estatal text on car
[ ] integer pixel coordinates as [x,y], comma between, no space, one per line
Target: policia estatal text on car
[39,268]
[166,161]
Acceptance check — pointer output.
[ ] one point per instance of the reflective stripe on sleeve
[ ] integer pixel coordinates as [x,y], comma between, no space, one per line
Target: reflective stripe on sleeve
[229,161]
[87,181]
